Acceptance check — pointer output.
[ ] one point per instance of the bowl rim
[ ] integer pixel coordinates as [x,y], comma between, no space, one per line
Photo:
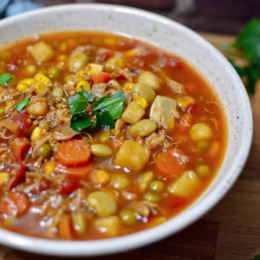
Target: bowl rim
[172,226]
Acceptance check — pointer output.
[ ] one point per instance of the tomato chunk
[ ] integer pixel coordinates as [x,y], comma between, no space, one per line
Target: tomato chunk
[68,184]
[19,175]
[19,146]
[14,204]
[12,61]
[171,161]
[101,77]
[177,202]
[186,122]
[23,120]
[74,153]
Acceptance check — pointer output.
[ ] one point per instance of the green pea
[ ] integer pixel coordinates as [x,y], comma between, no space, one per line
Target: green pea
[157,186]
[2,111]
[128,217]
[45,125]
[57,92]
[152,197]
[30,70]
[203,170]
[54,72]
[68,78]
[202,145]
[45,151]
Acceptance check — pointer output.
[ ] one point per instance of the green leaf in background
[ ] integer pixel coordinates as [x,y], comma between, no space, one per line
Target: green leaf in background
[240,71]
[249,41]
[4,78]
[256,257]
[253,74]
[106,120]
[22,104]
[79,121]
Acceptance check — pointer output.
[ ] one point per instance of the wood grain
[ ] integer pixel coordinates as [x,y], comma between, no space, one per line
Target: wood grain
[231,230]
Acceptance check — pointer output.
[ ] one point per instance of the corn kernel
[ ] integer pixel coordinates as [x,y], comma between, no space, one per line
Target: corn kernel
[49,167]
[80,75]
[63,57]
[105,137]
[85,85]
[22,87]
[42,78]
[40,87]
[28,81]
[93,68]
[4,177]
[61,65]
[141,102]
[37,131]
[128,86]
[63,47]
[101,177]
[110,41]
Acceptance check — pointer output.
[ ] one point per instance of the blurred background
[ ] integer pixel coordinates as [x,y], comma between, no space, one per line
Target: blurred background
[214,16]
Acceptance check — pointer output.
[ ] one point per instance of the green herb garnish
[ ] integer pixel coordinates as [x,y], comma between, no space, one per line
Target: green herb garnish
[247,47]
[105,110]
[4,78]
[22,104]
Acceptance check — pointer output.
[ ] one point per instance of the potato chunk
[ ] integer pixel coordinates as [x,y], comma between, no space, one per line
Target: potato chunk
[149,79]
[144,91]
[41,52]
[109,225]
[200,131]
[132,155]
[133,113]
[162,110]
[185,185]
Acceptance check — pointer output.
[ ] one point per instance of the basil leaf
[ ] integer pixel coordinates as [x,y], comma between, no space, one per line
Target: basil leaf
[22,104]
[81,105]
[4,78]
[106,120]
[73,100]
[88,95]
[79,121]
[253,75]
[99,101]
[119,94]
[116,110]
[95,125]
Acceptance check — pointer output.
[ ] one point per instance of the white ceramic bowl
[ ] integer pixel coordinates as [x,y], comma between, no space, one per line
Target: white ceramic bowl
[174,38]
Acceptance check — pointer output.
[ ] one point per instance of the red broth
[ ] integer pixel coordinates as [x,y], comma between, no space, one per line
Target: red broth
[73,170]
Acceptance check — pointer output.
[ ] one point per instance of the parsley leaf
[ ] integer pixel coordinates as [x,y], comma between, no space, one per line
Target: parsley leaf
[4,78]
[73,100]
[106,120]
[119,94]
[22,104]
[79,121]
[81,105]
[88,95]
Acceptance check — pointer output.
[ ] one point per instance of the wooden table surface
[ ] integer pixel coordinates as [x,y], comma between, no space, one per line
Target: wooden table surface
[230,231]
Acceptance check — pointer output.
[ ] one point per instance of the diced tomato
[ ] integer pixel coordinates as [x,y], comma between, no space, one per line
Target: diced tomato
[191,108]
[177,202]
[101,77]
[14,204]
[18,177]
[19,146]
[73,153]
[65,228]
[12,61]
[186,122]
[192,87]
[68,184]
[105,56]
[78,171]
[23,120]
[171,162]
[89,109]
[175,63]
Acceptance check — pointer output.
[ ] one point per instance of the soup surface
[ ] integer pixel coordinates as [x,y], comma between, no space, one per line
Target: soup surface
[101,136]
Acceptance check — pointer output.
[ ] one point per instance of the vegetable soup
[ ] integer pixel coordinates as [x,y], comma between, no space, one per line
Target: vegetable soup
[102,136]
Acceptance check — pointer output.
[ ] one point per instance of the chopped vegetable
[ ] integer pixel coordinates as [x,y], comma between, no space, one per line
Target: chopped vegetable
[4,78]
[22,104]
[101,77]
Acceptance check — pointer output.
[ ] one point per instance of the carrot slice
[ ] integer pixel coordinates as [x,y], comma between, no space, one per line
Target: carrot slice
[73,153]
[186,122]
[78,171]
[101,77]
[14,204]
[171,162]
[19,146]
[65,228]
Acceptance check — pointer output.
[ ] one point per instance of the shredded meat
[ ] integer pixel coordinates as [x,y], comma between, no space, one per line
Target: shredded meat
[9,93]
[154,140]
[99,89]
[129,96]
[58,116]
[70,87]
[118,127]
